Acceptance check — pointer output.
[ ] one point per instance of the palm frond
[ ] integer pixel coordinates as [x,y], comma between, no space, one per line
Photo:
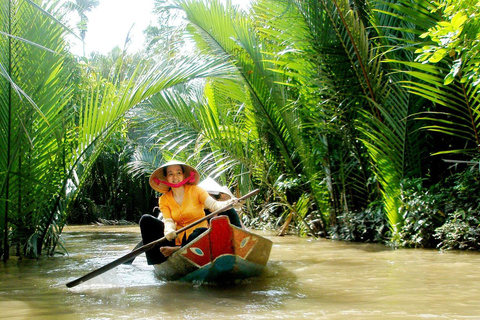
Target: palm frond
[456,106]
[223,28]
[35,101]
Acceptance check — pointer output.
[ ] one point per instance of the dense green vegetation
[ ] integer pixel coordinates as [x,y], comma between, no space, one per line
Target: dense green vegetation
[360,120]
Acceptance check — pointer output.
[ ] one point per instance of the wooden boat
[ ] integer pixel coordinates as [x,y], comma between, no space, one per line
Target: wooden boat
[223,253]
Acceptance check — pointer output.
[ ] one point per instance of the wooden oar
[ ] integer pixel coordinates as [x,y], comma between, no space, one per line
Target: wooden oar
[149,246]
[136,247]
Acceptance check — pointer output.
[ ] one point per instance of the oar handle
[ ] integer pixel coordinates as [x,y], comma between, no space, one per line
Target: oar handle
[150,245]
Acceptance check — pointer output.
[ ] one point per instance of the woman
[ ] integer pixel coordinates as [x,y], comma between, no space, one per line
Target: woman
[181,204]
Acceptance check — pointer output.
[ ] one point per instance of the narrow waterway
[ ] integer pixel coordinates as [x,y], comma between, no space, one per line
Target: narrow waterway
[305,279]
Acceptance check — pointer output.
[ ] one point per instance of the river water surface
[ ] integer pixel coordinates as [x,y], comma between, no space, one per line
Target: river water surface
[305,279]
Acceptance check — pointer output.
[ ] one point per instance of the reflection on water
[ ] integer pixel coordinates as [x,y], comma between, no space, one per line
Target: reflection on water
[305,279]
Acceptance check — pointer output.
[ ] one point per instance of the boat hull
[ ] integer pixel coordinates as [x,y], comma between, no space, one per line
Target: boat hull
[221,254]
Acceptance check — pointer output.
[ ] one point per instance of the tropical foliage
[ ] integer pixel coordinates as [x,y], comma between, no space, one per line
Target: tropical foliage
[35,94]
[341,112]
[329,106]
[52,132]
[323,117]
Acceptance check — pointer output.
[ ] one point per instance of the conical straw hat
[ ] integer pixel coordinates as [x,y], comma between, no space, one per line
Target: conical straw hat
[159,175]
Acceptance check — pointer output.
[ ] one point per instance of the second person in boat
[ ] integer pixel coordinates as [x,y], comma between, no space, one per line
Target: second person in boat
[181,204]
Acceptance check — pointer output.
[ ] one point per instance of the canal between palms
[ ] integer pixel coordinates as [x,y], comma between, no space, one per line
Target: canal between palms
[305,279]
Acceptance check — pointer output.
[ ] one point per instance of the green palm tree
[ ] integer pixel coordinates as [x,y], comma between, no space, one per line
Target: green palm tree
[264,126]
[359,99]
[34,103]
[445,73]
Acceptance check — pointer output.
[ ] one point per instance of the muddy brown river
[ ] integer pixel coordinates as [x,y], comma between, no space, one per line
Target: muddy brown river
[305,279]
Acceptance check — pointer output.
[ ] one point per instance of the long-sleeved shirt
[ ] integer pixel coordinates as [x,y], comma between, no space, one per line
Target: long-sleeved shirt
[191,210]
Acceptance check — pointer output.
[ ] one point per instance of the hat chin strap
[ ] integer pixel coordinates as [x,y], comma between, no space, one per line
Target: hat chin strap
[191,179]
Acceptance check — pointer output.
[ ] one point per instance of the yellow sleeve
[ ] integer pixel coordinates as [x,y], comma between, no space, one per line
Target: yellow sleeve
[202,195]
[164,208]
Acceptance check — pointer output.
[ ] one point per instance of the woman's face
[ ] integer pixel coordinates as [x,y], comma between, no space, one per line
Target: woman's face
[175,174]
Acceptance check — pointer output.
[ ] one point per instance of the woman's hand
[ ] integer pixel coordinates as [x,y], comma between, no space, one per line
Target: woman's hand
[170,235]
[169,231]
